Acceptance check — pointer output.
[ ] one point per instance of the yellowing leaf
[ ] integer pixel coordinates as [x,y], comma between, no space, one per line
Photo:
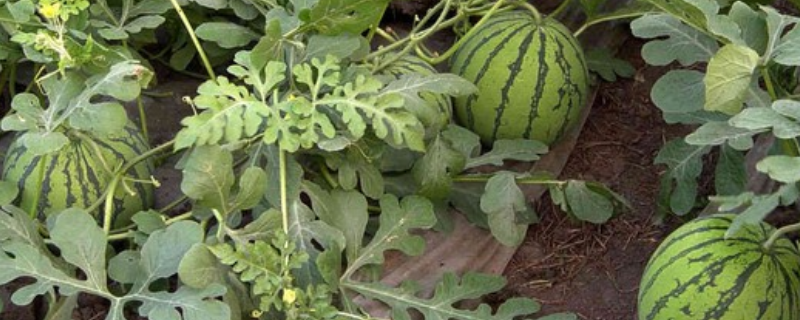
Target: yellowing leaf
[728,78]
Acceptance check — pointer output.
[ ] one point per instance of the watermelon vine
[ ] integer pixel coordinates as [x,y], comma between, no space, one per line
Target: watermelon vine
[309,156]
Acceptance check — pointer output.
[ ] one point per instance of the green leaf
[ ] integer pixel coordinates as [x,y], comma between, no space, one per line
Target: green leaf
[268,47]
[149,221]
[8,192]
[159,259]
[730,176]
[309,235]
[361,104]
[343,210]
[719,132]
[230,111]
[684,163]
[682,43]
[28,114]
[164,249]
[787,52]
[447,293]
[199,268]
[519,150]
[341,46]
[728,78]
[760,207]
[17,226]
[123,81]
[125,267]
[680,94]
[330,17]
[586,204]
[760,119]
[776,26]
[85,250]
[294,177]
[505,205]
[434,172]
[781,168]
[397,220]
[751,23]
[355,168]
[212,4]
[602,62]
[42,143]
[465,141]
[102,118]
[466,198]
[208,177]
[252,186]
[144,22]
[226,34]
[22,11]
[146,7]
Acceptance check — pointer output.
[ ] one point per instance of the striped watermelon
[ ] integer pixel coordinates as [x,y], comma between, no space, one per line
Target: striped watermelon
[532,79]
[696,274]
[75,176]
[439,110]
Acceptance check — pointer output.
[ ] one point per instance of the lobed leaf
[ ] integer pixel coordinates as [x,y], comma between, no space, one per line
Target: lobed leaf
[681,43]
[397,220]
[507,209]
[448,292]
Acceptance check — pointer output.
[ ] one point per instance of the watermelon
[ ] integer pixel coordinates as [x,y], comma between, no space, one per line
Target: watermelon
[697,274]
[532,79]
[75,176]
[438,108]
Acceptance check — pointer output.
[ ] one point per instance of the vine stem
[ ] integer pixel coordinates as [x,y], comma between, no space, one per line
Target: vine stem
[534,12]
[108,212]
[523,180]
[284,199]
[779,233]
[561,7]
[195,41]
[789,146]
[452,50]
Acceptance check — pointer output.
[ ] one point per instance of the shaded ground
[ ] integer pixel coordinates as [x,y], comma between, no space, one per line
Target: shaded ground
[591,270]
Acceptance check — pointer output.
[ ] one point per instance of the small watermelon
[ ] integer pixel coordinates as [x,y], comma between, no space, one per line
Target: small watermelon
[532,79]
[438,111]
[697,274]
[77,175]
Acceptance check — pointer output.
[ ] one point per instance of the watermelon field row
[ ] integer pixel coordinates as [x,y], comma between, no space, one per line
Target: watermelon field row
[378,159]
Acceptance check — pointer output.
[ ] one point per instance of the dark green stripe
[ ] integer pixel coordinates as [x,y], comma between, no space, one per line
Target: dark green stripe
[727,297]
[699,246]
[485,67]
[513,70]
[567,88]
[541,79]
[44,199]
[707,276]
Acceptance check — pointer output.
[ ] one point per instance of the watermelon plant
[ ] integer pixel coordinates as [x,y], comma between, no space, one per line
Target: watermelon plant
[310,155]
[698,273]
[737,86]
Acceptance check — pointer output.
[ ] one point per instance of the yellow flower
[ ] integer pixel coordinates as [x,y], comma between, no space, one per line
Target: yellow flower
[50,10]
[289,296]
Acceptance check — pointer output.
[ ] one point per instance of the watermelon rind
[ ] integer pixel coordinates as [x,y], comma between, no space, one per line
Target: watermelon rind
[532,79]
[77,175]
[698,274]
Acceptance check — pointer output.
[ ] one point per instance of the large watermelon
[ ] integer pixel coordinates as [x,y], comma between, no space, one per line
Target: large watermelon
[438,110]
[697,274]
[75,176]
[532,79]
